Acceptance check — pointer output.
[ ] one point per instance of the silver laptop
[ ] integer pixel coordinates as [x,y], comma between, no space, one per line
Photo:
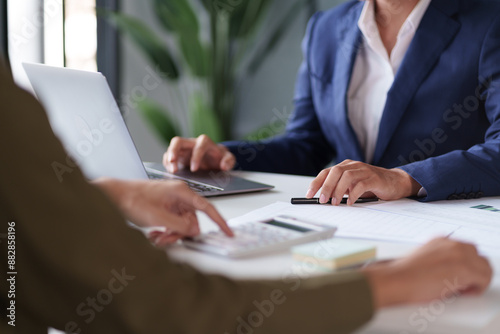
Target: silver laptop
[85,116]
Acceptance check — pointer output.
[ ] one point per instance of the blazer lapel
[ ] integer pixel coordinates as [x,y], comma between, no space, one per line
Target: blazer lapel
[349,40]
[437,29]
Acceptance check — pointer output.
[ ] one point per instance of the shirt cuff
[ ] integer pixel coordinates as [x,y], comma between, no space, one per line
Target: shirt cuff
[422,192]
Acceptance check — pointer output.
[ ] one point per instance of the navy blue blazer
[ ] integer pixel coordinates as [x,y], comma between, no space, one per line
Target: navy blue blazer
[441,122]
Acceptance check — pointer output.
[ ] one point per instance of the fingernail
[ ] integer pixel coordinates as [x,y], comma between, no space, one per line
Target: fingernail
[334,201]
[193,166]
[310,193]
[322,199]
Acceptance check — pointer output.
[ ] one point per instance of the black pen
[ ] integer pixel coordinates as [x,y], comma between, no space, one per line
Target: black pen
[315,200]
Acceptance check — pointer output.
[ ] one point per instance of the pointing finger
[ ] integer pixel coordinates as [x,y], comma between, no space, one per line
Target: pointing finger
[202,204]
[203,144]
[317,183]
[171,157]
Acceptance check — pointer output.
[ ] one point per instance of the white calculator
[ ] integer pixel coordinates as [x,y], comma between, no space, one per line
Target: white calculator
[261,237]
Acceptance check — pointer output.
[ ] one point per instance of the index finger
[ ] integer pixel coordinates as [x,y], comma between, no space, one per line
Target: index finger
[200,203]
[317,183]
[177,144]
[323,176]
[201,146]
[217,218]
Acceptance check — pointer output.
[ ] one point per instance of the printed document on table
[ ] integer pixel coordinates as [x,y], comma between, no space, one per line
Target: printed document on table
[460,212]
[358,221]
[475,221]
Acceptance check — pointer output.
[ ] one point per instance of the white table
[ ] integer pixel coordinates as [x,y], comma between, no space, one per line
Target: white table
[436,318]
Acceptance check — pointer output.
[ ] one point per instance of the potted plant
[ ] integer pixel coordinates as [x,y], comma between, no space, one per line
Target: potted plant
[205,67]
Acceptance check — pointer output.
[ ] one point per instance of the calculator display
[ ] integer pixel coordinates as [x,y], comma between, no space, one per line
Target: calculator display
[286,225]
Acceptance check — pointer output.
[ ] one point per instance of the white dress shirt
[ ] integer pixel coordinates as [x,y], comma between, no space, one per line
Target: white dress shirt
[374,72]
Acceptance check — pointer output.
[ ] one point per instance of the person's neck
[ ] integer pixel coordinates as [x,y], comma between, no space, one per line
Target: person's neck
[390,16]
[396,9]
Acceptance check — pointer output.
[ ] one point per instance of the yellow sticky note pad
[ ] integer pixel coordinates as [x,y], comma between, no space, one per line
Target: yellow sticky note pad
[334,254]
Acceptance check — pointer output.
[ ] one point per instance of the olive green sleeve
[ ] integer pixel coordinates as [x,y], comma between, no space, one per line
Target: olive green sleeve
[81,269]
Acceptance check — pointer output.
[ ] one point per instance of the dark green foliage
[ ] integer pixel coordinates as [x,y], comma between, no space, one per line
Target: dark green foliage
[158,119]
[217,62]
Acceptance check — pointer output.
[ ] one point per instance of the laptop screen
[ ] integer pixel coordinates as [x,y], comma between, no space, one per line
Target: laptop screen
[84,115]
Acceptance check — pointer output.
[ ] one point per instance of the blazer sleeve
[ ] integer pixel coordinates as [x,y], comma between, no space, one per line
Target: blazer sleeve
[82,270]
[302,149]
[476,171]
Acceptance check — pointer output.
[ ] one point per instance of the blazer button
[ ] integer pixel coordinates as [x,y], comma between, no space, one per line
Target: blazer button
[462,196]
[479,194]
[471,196]
[452,197]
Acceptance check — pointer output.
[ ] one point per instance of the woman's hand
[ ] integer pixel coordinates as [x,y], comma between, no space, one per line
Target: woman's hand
[198,153]
[358,179]
[441,269]
[168,204]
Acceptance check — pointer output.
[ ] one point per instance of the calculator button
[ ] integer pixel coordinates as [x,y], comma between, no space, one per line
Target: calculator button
[249,236]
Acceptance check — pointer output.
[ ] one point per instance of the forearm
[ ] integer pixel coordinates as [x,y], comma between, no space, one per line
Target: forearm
[465,174]
[408,185]
[471,172]
[304,154]
[115,189]
[339,304]
[387,289]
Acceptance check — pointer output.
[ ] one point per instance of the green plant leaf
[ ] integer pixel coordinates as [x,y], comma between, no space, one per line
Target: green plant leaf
[247,16]
[177,16]
[195,55]
[147,41]
[222,84]
[203,119]
[275,37]
[157,117]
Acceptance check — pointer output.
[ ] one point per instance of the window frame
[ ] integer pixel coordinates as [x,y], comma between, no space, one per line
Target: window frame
[108,57]
[4,41]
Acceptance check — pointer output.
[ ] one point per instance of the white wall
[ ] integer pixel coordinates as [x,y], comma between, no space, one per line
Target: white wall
[271,88]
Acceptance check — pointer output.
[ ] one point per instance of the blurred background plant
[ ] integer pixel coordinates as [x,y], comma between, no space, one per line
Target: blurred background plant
[208,47]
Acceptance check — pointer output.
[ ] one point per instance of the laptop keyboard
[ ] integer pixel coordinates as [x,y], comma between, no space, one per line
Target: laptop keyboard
[196,187]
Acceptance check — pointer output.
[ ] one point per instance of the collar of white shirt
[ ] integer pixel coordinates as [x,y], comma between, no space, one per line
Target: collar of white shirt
[368,26]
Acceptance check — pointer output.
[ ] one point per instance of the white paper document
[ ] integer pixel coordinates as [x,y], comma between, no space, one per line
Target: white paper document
[464,213]
[358,222]
[475,221]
